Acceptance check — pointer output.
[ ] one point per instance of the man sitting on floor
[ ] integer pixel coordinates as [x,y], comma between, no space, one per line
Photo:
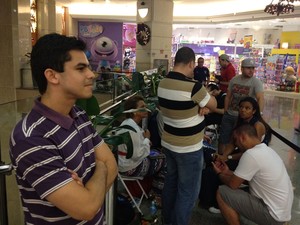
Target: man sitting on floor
[271,194]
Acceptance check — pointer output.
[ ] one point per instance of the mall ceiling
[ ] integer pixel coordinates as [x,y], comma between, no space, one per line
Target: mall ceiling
[191,13]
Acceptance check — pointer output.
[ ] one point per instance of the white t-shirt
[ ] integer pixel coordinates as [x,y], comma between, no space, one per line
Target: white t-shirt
[268,180]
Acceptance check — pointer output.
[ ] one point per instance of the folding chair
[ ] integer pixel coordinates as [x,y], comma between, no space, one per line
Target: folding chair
[137,203]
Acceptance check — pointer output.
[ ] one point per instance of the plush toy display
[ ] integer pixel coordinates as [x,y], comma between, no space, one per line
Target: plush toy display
[290,75]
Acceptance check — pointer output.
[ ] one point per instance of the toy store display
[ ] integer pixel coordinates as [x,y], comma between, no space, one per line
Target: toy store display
[110,50]
[271,80]
[110,45]
[276,71]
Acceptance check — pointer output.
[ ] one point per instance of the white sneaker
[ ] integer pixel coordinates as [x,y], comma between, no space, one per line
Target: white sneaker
[214,210]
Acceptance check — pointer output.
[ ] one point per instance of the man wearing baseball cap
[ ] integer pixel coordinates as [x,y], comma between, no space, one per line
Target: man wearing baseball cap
[239,87]
[227,72]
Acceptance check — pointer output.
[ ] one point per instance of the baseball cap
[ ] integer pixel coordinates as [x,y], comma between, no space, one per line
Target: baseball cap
[224,57]
[249,62]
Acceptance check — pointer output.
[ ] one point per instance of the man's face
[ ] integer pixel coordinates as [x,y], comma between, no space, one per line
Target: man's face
[200,62]
[77,79]
[237,140]
[248,71]
[223,63]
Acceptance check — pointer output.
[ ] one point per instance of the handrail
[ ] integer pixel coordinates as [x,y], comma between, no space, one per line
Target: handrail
[115,104]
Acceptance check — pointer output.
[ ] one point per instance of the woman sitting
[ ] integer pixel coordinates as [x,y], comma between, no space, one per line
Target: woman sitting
[248,113]
[144,161]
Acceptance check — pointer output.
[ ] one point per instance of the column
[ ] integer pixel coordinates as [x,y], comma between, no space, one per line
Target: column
[160,20]
[46,15]
[8,50]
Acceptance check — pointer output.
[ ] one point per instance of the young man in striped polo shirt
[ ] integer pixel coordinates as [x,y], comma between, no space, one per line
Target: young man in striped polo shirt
[181,101]
[63,168]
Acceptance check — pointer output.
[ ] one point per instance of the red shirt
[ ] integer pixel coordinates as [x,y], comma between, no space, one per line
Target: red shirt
[227,74]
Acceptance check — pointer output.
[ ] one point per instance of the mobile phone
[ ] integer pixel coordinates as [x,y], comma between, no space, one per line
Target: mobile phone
[214,156]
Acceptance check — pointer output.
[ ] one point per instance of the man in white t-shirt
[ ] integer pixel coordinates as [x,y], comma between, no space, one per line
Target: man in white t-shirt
[271,194]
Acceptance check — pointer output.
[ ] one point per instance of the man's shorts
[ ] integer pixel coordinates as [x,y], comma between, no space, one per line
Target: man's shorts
[247,205]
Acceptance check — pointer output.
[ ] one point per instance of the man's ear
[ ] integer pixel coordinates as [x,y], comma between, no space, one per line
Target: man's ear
[243,137]
[51,76]
[191,64]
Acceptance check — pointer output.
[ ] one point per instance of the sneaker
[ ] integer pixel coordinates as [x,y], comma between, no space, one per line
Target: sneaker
[214,210]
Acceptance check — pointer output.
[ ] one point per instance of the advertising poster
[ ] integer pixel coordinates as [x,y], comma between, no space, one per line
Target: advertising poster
[104,44]
[248,39]
[129,47]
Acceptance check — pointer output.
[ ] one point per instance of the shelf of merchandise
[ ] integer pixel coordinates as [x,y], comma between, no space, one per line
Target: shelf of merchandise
[295,52]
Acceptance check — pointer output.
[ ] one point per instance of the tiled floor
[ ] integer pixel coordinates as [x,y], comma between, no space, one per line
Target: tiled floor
[282,112]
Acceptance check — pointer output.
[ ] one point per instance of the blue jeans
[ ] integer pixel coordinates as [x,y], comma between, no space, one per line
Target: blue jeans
[182,186]
[227,125]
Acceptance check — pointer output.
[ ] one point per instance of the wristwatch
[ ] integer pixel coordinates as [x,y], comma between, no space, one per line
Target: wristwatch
[229,157]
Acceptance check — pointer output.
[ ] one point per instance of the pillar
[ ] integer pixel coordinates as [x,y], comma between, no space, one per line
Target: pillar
[9,60]
[46,15]
[160,20]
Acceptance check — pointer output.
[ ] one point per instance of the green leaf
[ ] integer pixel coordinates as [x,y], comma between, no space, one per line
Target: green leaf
[90,105]
[120,139]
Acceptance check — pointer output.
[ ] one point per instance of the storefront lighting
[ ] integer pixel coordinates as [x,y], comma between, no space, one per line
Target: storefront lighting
[285,45]
[282,7]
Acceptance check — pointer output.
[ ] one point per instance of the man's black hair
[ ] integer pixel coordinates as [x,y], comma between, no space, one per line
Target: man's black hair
[184,55]
[212,87]
[52,51]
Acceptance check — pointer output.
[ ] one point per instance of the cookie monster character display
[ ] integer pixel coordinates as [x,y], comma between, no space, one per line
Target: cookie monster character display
[105,51]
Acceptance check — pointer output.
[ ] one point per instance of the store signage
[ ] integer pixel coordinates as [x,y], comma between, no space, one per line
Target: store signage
[90,30]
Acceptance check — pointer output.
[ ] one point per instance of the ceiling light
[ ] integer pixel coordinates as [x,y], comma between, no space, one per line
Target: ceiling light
[143,10]
[282,7]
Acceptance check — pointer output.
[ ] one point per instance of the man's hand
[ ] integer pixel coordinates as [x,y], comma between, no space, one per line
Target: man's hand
[147,134]
[76,177]
[203,111]
[220,167]
[221,158]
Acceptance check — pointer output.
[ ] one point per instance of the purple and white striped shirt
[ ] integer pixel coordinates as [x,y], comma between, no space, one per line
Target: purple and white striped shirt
[42,147]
